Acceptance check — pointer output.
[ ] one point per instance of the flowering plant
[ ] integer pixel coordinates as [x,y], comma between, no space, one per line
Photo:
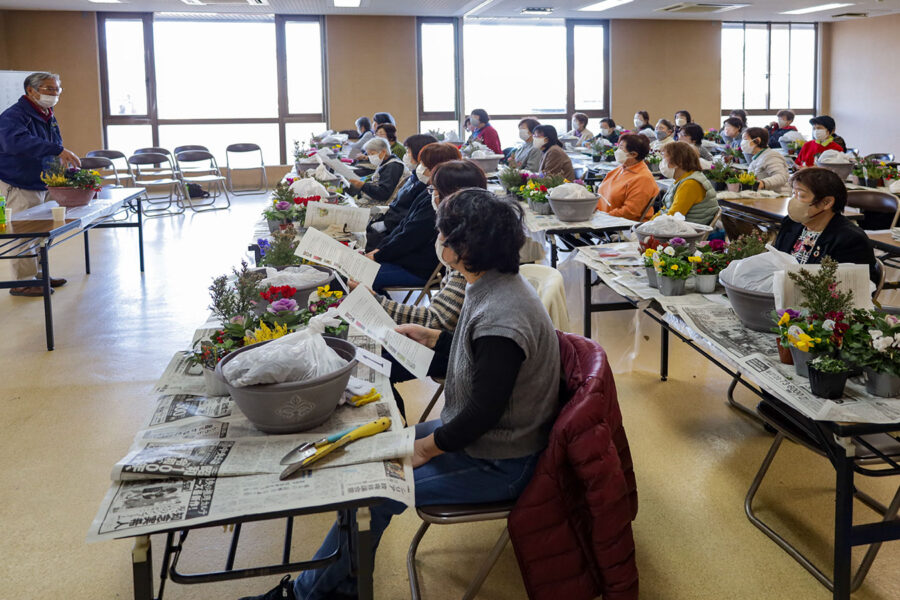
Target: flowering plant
[872,169]
[820,293]
[264,333]
[710,263]
[82,179]
[654,158]
[512,179]
[324,299]
[795,146]
[538,186]
[301,151]
[828,364]
[733,155]
[749,244]
[669,263]
[873,340]
[280,251]
[713,135]
[720,172]
[747,179]
[220,344]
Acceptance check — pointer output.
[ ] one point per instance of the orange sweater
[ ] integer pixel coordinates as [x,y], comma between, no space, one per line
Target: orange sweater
[628,191]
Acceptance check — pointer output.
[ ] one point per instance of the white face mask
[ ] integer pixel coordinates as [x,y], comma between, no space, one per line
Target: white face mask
[375,159]
[681,121]
[420,174]
[48,101]
[408,161]
[661,134]
[746,147]
[539,142]
[621,156]
[439,251]
[820,133]
[605,132]
[524,134]
[434,202]
[783,123]
[638,122]
[667,171]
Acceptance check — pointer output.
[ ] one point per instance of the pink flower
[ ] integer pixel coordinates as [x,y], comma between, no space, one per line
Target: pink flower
[282,305]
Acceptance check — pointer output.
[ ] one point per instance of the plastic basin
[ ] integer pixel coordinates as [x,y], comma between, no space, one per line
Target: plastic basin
[842,170]
[293,407]
[488,165]
[690,238]
[571,209]
[754,309]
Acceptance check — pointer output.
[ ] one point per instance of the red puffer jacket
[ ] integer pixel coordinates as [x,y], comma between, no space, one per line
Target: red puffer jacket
[571,527]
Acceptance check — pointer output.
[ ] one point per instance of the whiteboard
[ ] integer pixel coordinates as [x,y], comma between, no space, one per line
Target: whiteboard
[11,87]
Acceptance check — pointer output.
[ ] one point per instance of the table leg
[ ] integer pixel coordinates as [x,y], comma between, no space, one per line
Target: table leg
[554,256]
[140,220]
[843,523]
[45,283]
[663,352]
[365,556]
[587,302]
[87,253]
[142,568]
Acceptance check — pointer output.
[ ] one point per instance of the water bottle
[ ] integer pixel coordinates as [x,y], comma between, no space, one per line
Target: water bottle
[2,211]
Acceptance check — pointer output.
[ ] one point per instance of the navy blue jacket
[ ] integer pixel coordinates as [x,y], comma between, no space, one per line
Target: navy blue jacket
[411,244]
[28,144]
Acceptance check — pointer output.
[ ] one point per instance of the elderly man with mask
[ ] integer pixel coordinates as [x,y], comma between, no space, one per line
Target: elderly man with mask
[30,141]
[389,169]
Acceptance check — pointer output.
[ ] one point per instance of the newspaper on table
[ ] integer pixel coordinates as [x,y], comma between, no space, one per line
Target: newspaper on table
[599,221]
[318,247]
[182,376]
[348,218]
[361,310]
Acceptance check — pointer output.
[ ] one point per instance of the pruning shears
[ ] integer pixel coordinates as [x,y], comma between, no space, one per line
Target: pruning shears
[308,453]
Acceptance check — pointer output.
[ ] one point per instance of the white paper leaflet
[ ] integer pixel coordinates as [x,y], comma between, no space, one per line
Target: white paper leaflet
[317,247]
[349,218]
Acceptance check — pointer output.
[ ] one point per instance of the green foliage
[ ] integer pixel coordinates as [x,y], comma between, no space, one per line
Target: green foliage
[281,251]
[745,246]
[511,179]
[820,293]
[230,301]
[828,364]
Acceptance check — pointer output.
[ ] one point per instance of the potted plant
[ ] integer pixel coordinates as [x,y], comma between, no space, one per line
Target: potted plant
[733,155]
[733,183]
[672,271]
[71,187]
[890,175]
[511,179]
[870,172]
[653,159]
[747,181]
[650,260]
[713,135]
[609,154]
[598,149]
[783,321]
[279,253]
[285,207]
[535,191]
[708,261]
[749,244]
[718,174]
[827,376]
[873,342]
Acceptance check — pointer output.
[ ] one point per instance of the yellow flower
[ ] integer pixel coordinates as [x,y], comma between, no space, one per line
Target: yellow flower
[338,294]
[673,267]
[785,319]
[803,342]
[695,259]
[649,252]
[264,333]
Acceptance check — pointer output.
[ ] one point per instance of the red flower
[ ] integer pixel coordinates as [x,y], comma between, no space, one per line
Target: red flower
[543,188]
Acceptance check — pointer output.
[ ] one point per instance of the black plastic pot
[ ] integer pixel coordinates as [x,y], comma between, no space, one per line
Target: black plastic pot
[719,186]
[827,385]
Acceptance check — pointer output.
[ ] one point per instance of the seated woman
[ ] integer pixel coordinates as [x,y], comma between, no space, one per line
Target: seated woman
[731,132]
[484,132]
[470,131]
[501,393]
[665,134]
[740,114]
[780,127]
[608,130]
[389,132]
[642,123]
[364,129]
[692,195]
[815,227]
[693,135]
[380,118]
[767,164]
[823,139]
[627,190]
[682,118]
[526,156]
[554,160]
[411,189]
[406,255]
[382,185]
[580,130]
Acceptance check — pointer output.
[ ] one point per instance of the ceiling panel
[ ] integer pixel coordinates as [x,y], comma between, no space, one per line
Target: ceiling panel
[759,10]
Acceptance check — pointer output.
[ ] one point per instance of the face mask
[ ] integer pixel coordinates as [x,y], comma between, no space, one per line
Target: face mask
[799,211]
[621,156]
[605,132]
[407,160]
[681,121]
[638,122]
[420,174]
[746,147]
[48,101]
[434,203]
[820,134]
[375,159]
[439,251]
[475,122]
[782,123]
[524,134]
[661,135]
[667,171]
[539,142]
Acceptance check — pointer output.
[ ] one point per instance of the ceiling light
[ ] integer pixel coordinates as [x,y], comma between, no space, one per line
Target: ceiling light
[536,11]
[106,1]
[347,3]
[812,9]
[605,5]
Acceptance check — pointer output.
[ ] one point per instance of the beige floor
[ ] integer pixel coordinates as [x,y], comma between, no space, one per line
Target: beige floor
[66,416]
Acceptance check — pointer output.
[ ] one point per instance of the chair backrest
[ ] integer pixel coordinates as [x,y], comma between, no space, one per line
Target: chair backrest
[243,147]
[179,149]
[194,156]
[150,158]
[97,162]
[153,150]
[872,200]
[550,287]
[885,156]
[110,154]
[879,275]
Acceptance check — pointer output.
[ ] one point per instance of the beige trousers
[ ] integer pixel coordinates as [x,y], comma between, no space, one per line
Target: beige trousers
[18,200]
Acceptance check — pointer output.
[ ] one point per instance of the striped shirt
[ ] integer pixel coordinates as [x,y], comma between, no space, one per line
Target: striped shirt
[441,313]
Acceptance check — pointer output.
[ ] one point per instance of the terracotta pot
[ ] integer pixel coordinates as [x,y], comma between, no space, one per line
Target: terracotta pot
[784,354]
[70,197]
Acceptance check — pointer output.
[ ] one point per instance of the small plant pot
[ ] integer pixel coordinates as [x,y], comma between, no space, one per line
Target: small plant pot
[651,277]
[872,183]
[719,186]
[70,197]
[597,157]
[784,354]
[669,286]
[654,167]
[540,208]
[274,225]
[854,179]
[827,385]
[733,187]
[882,384]
[215,386]
[800,360]
[706,284]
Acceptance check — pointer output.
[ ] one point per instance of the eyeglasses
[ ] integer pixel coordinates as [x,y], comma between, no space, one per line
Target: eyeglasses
[51,90]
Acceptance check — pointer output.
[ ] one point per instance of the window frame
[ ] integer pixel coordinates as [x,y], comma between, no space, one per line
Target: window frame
[152,117]
[458,116]
[769,109]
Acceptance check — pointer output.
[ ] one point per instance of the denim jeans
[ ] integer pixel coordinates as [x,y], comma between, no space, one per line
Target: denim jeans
[390,275]
[451,478]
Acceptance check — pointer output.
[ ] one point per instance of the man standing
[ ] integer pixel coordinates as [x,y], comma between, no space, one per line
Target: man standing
[29,141]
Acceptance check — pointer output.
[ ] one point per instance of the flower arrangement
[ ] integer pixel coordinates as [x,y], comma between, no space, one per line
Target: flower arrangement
[598,148]
[747,180]
[713,135]
[873,170]
[749,244]
[672,260]
[264,333]
[719,173]
[733,155]
[82,179]
[280,251]
[512,179]
[537,186]
[873,341]
[653,159]
[234,301]
[286,207]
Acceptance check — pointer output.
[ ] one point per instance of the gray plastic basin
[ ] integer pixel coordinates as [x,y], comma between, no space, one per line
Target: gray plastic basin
[571,209]
[754,309]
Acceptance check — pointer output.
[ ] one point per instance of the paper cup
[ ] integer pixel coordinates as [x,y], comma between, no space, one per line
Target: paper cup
[59,213]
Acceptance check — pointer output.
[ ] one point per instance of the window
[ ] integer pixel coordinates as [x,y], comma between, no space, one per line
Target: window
[559,67]
[171,80]
[767,67]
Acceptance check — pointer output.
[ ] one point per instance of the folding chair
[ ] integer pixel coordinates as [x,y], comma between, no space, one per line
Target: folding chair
[169,169]
[104,166]
[150,170]
[114,155]
[210,176]
[194,169]
[424,290]
[243,149]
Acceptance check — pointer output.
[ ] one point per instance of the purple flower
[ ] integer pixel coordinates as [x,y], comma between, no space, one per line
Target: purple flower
[677,241]
[793,314]
[239,320]
[282,205]
[282,305]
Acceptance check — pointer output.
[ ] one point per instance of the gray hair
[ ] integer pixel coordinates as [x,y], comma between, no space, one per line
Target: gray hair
[35,79]
[377,144]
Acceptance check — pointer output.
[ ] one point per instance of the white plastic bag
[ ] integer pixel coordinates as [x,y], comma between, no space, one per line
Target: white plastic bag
[756,273]
[671,225]
[306,187]
[298,277]
[296,357]
[571,191]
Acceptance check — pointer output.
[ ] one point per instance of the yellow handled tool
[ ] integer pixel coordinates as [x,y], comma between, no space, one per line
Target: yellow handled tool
[366,398]
[314,454]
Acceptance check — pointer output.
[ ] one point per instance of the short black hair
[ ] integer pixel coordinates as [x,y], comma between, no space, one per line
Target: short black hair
[686,114]
[384,117]
[389,130]
[825,121]
[364,123]
[740,114]
[693,131]
[787,114]
[637,143]
[667,124]
[482,115]
[484,230]
[454,175]
[530,123]
[734,122]
[549,132]
[416,142]
[608,121]
[758,132]
[823,183]
[644,115]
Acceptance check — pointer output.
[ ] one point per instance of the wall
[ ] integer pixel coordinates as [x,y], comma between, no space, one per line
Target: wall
[664,66]
[863,88]
[372,68]
[73,54]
